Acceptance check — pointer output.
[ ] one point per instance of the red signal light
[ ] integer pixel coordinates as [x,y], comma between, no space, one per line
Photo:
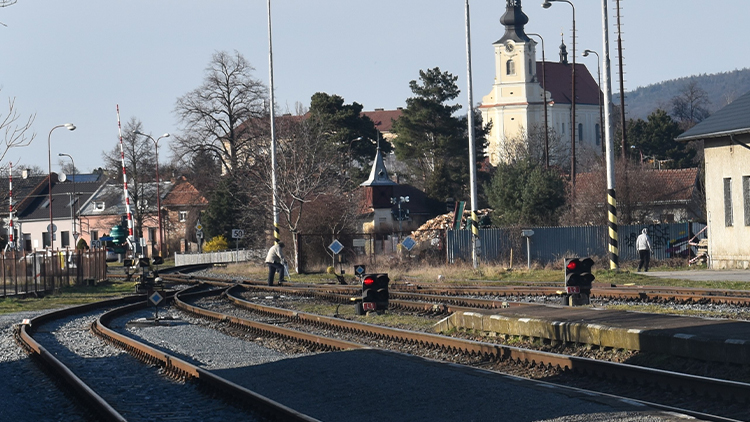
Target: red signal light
[572,265]
[368,281]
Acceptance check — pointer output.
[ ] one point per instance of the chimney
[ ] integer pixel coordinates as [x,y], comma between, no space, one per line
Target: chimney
[26,173]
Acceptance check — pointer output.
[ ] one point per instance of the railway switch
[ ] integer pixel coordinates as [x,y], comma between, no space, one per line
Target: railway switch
[578,279]
[374,293]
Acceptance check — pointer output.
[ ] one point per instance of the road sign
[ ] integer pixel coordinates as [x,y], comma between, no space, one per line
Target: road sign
[336,247]
[359,270]
[238,233]
[199,234]
[198,225]
[54,228]
[409,243]
[96,243]
[106,238]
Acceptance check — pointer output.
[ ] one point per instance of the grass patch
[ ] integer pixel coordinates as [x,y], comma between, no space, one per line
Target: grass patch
[67,296]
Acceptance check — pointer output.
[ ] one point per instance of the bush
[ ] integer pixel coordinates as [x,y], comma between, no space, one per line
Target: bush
[218,243]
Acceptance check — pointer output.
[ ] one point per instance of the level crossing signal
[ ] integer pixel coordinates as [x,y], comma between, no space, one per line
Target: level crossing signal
[578,279]
[374,293]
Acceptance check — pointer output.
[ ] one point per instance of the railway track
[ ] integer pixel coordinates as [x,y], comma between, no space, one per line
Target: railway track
[474,352]
[94,382]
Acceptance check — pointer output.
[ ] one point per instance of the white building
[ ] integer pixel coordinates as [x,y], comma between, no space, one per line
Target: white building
[522,85]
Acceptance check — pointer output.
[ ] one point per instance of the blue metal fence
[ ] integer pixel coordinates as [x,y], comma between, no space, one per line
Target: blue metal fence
[550,244]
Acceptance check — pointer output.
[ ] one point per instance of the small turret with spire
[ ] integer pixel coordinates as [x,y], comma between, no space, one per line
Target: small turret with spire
[379,185]
[514,19]
[563,50]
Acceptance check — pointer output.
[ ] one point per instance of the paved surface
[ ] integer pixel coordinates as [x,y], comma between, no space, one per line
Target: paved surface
[703,275]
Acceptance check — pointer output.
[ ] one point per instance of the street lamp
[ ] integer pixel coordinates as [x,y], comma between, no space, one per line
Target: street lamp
[158,193]
[50,229]
[599,82]
[544,95]
[547,4]
[73,198]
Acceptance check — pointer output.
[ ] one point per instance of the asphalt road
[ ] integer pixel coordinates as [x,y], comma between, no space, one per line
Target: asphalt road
[703,275]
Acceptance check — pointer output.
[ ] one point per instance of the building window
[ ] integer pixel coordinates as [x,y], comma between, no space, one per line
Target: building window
[45,239]
[510,67]
[65,239]
[94,234]
[183,216]
[98,206]
[152,234]
[580,132]
[746,198]
[598,134]
[728,220]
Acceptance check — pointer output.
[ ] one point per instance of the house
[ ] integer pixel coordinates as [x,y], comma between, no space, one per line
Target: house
[523,86]
[181,210]
[106,208]
[649,196]
[33,210]
[384,201]
[726,138]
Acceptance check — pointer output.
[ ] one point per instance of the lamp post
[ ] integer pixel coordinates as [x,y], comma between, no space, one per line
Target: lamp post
[158,193]
[544,94]
[50,229]
[547,4]
[599,95]
[73,199]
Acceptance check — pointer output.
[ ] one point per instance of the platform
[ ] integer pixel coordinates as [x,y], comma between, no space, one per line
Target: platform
[708,339]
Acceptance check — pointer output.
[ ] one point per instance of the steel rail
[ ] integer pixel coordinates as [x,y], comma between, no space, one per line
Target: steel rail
[179,368]
[93,401]
[709,387]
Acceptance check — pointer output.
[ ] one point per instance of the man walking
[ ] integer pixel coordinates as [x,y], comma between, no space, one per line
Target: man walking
[275,260]
[643,245]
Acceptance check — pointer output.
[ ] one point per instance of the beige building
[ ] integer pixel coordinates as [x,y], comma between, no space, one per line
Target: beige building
[726,137]
[515,104]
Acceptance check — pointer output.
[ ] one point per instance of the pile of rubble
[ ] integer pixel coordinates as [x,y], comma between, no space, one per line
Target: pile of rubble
[433,228]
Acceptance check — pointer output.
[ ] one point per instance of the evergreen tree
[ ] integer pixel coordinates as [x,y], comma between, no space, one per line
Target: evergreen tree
[654,139]
[525,193]
[225,209]
[432,140]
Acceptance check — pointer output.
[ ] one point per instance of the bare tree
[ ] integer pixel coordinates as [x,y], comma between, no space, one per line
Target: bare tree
[691,105]
[218,116]
[306,171]
[530,144]
[16,132]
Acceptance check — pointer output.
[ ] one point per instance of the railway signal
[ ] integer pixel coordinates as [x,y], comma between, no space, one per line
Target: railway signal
[578,279]
[374,293]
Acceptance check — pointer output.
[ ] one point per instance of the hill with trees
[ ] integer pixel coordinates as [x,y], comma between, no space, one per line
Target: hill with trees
[721,89]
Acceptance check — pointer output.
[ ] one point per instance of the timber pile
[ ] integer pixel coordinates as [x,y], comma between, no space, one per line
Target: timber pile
[432,229]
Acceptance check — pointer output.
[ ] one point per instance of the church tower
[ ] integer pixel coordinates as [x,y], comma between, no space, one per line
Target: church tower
[516,101]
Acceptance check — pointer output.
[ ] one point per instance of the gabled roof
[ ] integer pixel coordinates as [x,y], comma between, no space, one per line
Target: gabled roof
[731,120]
[667,186]
[559,83]
[111,195]
[36,205]
[183,193]
[384,119]
[23,190]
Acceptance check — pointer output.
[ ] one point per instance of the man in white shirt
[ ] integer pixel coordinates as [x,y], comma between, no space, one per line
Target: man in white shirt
[643,245]
[275,260]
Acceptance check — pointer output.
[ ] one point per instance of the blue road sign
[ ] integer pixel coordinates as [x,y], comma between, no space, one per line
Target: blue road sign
[336,247]
[409,243]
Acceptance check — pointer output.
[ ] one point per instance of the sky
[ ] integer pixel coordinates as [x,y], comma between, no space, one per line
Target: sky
[75,61]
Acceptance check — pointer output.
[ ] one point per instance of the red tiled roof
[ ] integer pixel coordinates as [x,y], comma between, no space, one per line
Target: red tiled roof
[670,185]
[183,193]
[558,83]
[384,119]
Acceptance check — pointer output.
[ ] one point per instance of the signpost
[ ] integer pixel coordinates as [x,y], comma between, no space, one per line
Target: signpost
[237,234]
[336,247]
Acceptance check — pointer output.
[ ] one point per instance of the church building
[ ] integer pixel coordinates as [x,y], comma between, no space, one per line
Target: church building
[522,85]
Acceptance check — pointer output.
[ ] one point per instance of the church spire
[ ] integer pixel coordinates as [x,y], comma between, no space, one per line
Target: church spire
[514,19]
[563,51]
[378,174]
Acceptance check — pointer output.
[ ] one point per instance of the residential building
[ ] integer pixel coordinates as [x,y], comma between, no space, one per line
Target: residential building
[726,139]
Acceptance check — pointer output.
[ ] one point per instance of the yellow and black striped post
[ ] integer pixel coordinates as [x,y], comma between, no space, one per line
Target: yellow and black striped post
[612,225]
[476,248]
[276,235]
